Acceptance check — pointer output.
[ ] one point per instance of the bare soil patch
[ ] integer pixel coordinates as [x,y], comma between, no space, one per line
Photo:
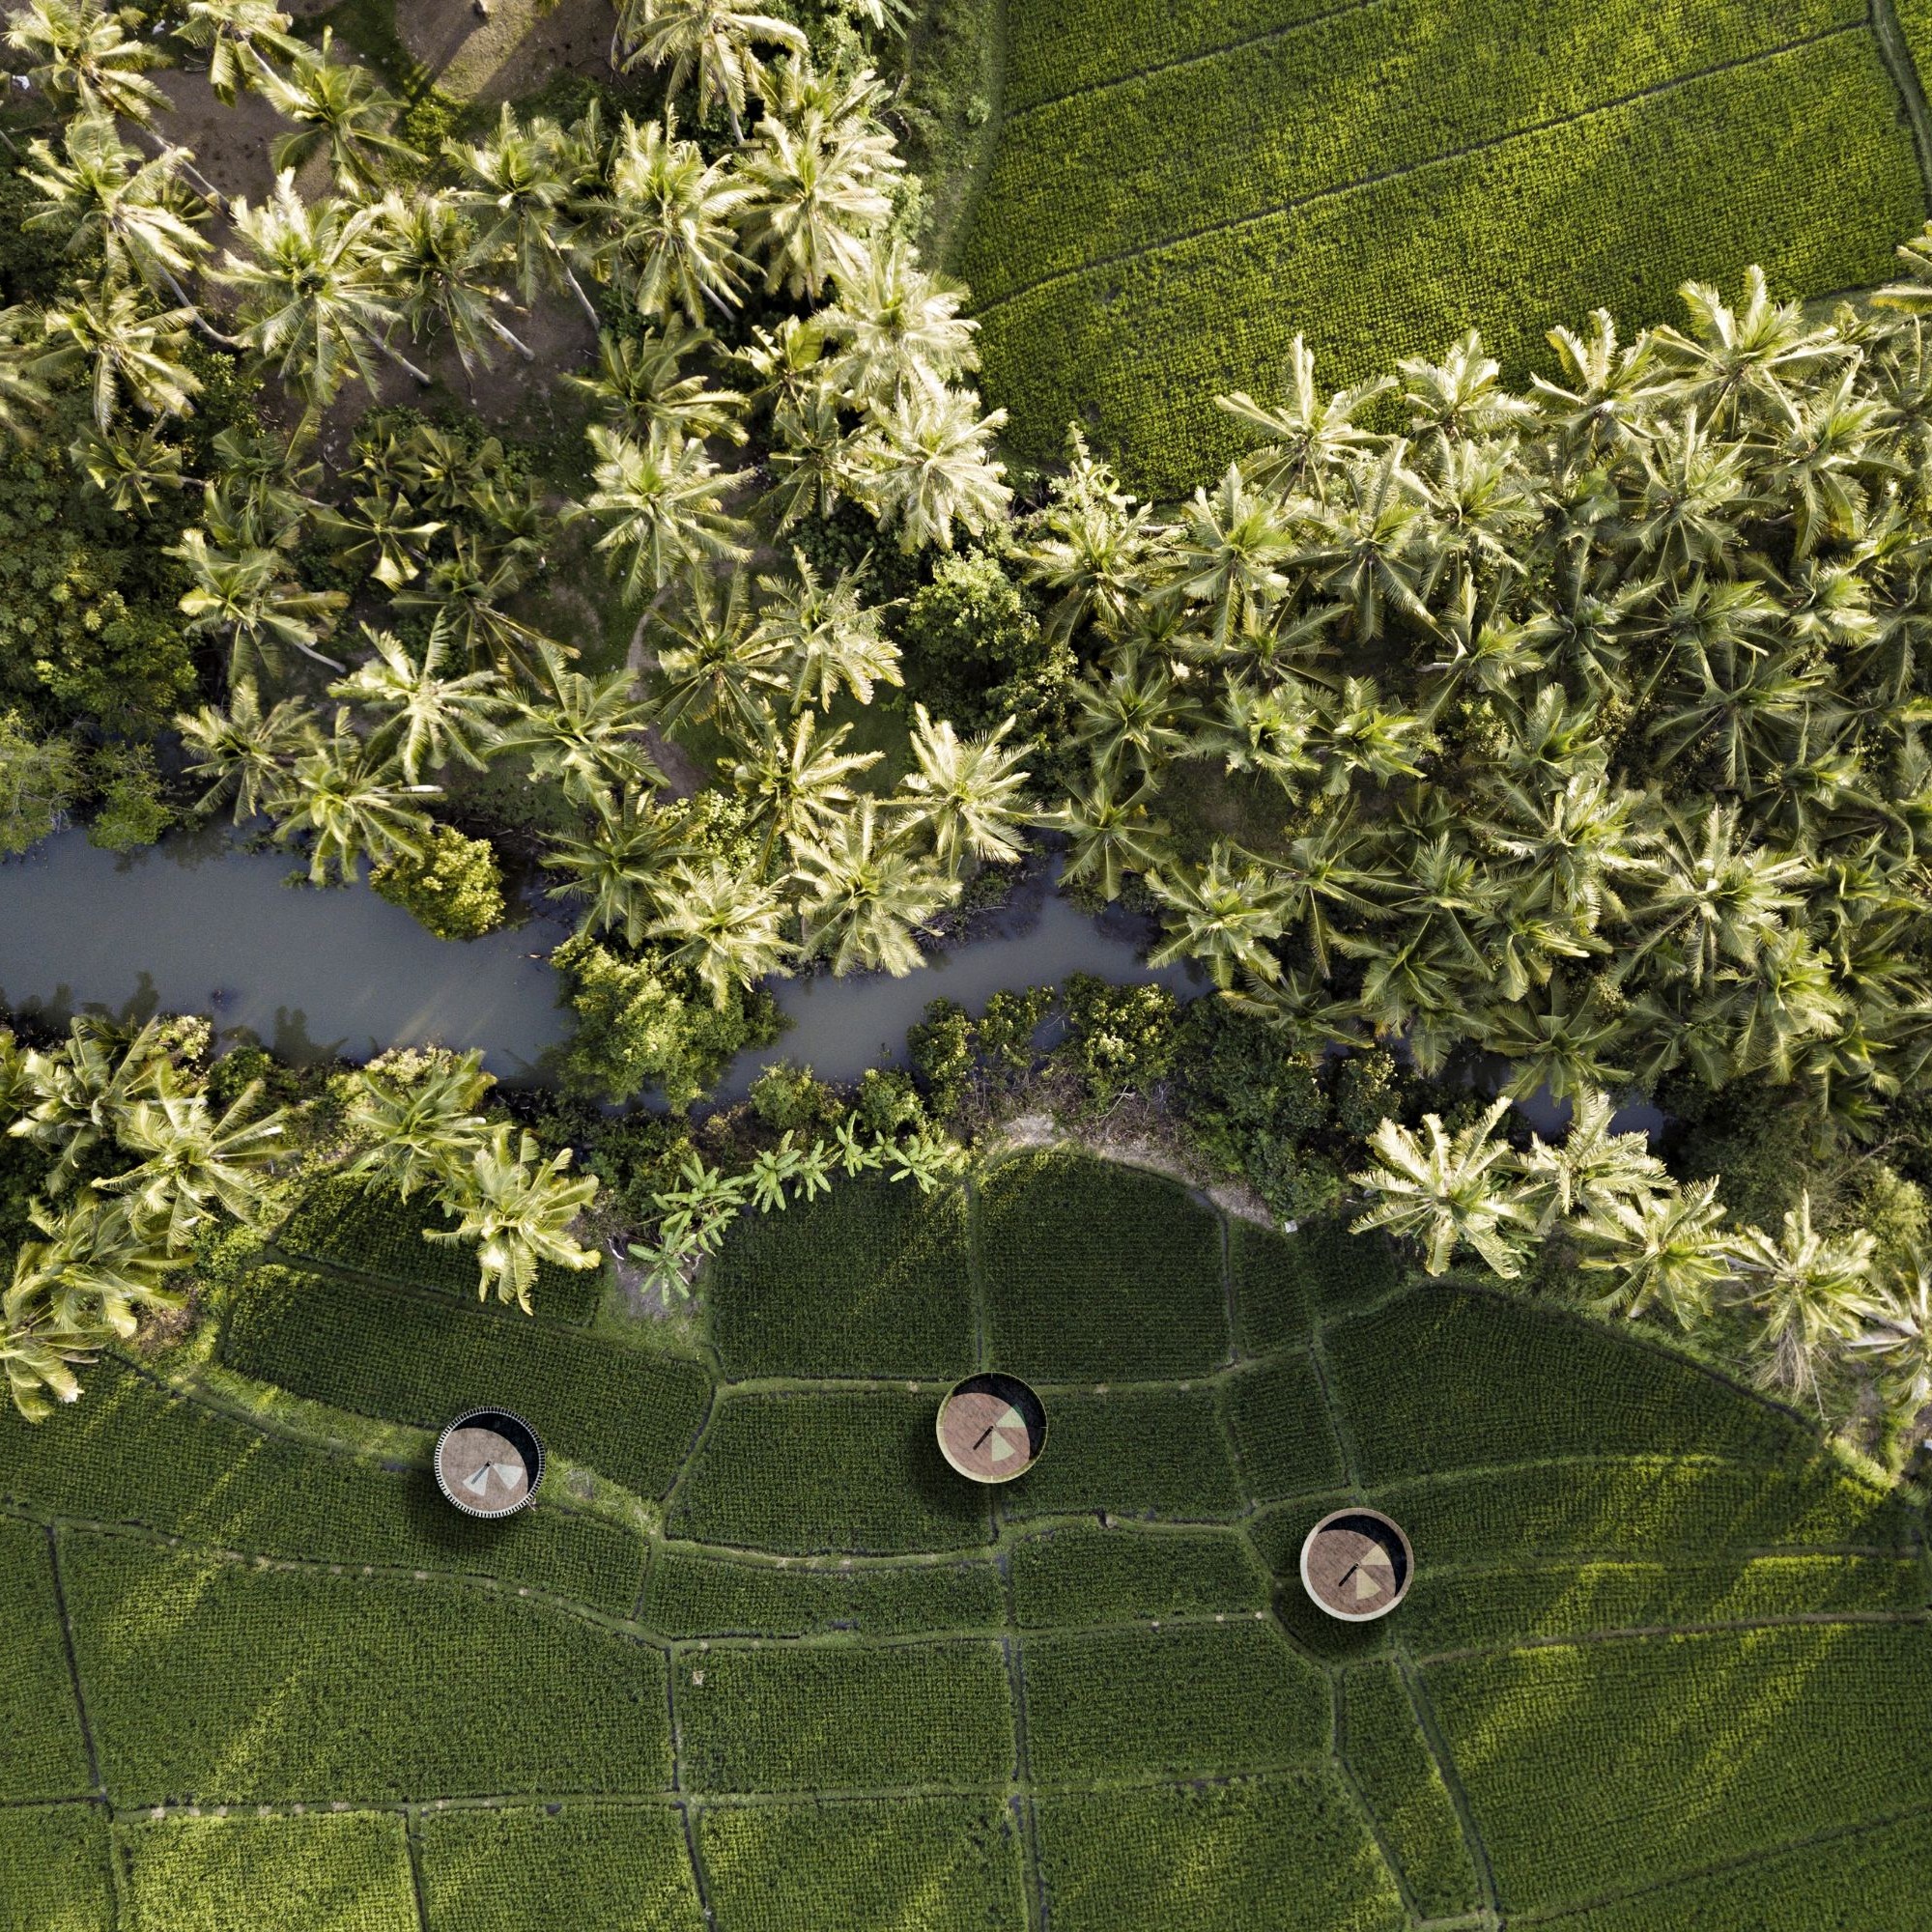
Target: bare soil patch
[513,51]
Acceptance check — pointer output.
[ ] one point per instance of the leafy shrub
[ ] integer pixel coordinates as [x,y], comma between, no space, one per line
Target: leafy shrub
[40,779]
[873,1278]
[1120,1040]
[1082,1573]
[1096,1273]
[941,1047]
[47,1754]
[129,811]
[1402,1786]
[342,1874]
[973,650]
[382,1687]
[845,1718]
[1131,1452]
[455,890]
[422,1358]
[844,1473]
[575,1865]
[792,1099]
[780,1867]
[137,1453]
[690,1595]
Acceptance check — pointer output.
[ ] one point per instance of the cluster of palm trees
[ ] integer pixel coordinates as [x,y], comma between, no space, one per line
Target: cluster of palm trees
[1815,1300]
[140,1167]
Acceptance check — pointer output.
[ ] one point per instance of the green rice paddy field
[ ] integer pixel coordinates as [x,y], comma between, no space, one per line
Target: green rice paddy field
[756,1661]
[1173,188]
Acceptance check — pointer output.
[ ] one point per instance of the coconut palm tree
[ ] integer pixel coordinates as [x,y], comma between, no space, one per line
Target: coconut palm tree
[1227,555]
[722,665]
[84,1089]
[125,346]
[23,396]
[794,781]
[133,472]
[1223,916]
[466,592]
[83,53]
[867,896]
[1591,1166]
[724,924]
[250,596]
[515,185]
[586,734]
[639,381]
[36,1355]
[663,502]
[1667,1248]
[444,275]
[196,1162]
[95,1266]
[351,801]
[1898,1339]
[968,795]
[1091,548]
[243,39]
[314,298]
[1134,720]
[430,717]
[417,1123]
[245,751]
[896,326]
[1444,1191]
[1812,1290]
[1305,435]
[519,1209]
[98,194]
[1713,896]
[337,107]
[672,216]
[825,636]
[384,533]
[1110,833]
[924,466]
[1372,541]
[621,867]
[706,40]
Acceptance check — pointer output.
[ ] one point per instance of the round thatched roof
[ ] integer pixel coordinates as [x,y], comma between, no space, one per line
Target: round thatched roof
[489,1463]
[992,1427]
[1356,1564]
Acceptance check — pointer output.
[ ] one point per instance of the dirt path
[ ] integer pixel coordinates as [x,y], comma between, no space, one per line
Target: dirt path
[510,52]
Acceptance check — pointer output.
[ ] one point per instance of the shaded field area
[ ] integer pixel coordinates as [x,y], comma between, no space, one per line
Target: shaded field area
[1176,190]
[756,1661]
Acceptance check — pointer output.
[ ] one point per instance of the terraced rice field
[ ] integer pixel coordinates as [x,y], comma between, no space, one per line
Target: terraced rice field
[1175,189]
[756,1661]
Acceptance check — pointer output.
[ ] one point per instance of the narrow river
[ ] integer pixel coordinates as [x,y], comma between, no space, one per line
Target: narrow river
[196,925]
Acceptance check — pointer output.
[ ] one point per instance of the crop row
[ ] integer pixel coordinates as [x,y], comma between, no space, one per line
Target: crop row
[871,1279]
[845,1717]
[1082,1573]
[1489,1608]
[837,1472]
[1282,1282]
[422,1358]
[691,1596]
[1289,1851]
[380,1235]
[1870,1881]
[1178,1703]
[1360,94]
[44,1754]
[1095,1272]
[1402,1784]
[54,1864]
[1594,1767]
[1799,163]
[1282,1434]
[1131,1452]
[219,1683]
[940,1865]
[133,1452]
[1450,1378]
[348,1873]
[1914,20]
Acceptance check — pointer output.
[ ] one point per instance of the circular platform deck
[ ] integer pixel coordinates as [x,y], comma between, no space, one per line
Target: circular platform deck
[489,1463]
[1356,1564]
[992,1427]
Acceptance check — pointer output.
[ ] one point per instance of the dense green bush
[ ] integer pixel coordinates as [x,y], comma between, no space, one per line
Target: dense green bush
[454,890]
[421,1358]
[40,780]
[873,1278]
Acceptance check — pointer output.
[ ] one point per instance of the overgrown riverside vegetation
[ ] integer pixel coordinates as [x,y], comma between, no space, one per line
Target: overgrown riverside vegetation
[515,479]
[759,1655]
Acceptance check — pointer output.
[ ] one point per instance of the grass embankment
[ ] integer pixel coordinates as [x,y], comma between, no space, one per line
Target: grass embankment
[1660,1637]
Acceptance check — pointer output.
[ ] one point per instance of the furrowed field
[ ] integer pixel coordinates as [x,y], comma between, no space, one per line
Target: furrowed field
[1177,190]
[757,1662]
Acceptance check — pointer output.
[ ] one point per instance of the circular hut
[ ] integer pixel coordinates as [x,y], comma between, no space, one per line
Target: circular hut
[992,1427]
[489,1463]
[1356,1564]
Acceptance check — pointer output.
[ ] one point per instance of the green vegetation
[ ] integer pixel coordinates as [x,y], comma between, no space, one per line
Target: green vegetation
[826,1685]
[1121,291]
[56,1862]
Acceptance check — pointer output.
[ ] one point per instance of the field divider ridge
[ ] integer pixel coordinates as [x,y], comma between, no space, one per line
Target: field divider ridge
[1336,191]
[1896,52]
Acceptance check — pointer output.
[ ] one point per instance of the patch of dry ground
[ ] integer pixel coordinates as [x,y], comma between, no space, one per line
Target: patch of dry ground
[510,52]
